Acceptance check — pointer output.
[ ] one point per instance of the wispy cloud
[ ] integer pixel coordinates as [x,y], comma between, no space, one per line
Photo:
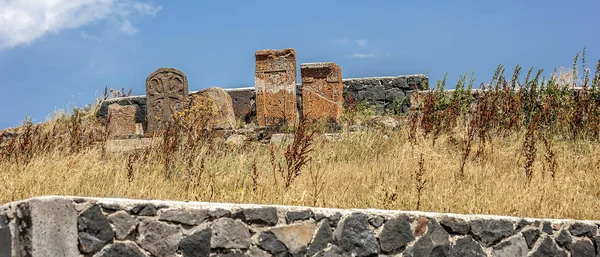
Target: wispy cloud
[360,55]
[85,35]
[24,21]
[362,43]
[128,28]
[359,48]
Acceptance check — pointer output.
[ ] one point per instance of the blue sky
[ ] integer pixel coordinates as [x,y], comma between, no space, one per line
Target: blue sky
[60,53]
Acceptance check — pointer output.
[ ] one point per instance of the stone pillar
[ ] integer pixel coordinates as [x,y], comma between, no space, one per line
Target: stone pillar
[322,90]
[166,94]
[121,121]
[275,83]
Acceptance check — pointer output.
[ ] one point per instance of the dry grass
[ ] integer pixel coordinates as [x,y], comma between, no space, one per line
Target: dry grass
[460,158]
[358,172]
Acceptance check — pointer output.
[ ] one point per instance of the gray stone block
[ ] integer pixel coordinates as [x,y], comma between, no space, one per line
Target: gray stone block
[124,224]
[466,247]
[292,216]
[583,229]
[196,244]
[583,248]
[261,216]
[322,238]
[229,234]
[491,231]
[531,236]
[435,242]
[563,239]
[5,237]
[455,225]
[354,237]
[121,249]
[269,242]
[396,234]
[546,248]
[47,227]
[94,230]
[158,238]
[515,246]
[184,216]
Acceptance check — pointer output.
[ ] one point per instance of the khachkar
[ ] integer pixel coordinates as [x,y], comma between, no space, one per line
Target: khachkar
[322,90]
[166,94]
[275,82]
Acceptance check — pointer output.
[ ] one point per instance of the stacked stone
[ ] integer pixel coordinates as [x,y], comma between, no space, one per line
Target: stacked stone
[382,92]
[63,226]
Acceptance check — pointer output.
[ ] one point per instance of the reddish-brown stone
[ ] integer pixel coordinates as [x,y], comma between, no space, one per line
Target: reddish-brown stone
[121,121]
[275,82]
[166,94]
[322,90]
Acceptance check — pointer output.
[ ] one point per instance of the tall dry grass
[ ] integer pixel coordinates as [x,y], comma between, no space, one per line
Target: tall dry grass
[460,153]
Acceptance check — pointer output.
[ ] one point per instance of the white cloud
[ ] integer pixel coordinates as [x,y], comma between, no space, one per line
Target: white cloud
[128,28]
[360,55]
[24,21]
[361,43]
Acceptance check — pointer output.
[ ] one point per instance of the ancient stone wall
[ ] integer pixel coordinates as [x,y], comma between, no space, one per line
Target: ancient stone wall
[74,226]
[379,91]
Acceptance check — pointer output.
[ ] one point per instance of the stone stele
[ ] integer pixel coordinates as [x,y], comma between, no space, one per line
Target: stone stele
[322,90]
[166,94]
[121,121]
[275,82]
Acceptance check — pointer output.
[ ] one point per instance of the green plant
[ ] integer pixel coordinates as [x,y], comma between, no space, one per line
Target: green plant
[366,108]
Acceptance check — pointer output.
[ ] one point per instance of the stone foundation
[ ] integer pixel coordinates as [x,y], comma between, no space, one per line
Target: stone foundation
[75,226]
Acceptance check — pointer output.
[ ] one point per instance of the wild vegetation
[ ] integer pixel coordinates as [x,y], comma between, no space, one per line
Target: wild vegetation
[519,146]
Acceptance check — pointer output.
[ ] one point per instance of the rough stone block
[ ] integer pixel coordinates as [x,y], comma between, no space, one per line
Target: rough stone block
[5,237]
[47,227]
[275,82]
[121,121]
[166,94]
[219,105]
[322,90]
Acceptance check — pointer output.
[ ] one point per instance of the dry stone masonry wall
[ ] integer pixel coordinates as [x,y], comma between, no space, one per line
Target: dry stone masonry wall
[74,226]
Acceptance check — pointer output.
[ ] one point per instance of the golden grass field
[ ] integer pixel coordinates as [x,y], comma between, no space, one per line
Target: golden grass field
[372,169]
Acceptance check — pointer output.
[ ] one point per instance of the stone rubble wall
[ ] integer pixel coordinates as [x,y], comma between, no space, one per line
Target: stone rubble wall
[76,226]
[378,91]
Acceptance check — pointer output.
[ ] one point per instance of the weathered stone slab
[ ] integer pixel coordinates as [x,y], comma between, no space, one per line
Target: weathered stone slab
[121,121]
[322,90]
[5,237]
[275,82]
[37,218]
[221,108]
[167,94]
